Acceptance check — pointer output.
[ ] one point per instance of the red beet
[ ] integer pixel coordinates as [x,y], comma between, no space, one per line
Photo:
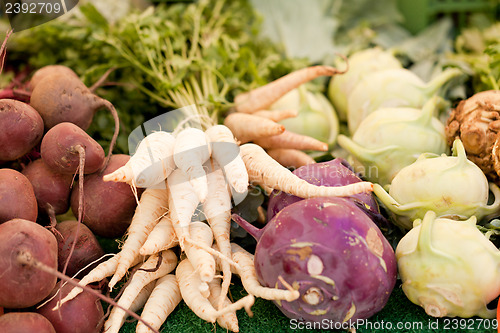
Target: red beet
[60,149]
[83,314]
[52,189]
[87,248]
[108,206]
[17,197]
[23,285]
[25,322]
[21,128]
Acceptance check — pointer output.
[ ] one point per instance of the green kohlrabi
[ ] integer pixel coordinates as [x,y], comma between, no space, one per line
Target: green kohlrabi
[451,186]
[449,267]
[360,63]
[316,116]
[391,138]
[392,88]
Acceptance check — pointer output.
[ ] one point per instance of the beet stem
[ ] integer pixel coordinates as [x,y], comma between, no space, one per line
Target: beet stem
[108,105]
[101,80]
[26,258]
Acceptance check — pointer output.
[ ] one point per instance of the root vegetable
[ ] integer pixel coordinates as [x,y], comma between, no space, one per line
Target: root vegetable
[291,158]
[163,300]
[52,189]
[476,122]
[151,163]
[248,127]
[108,207]
[139,280]
[261,98]
[263,169]
[277,115]
[21,285]
[60,97]
[162,237]
[83,314]
[228,321]
[49,70]
[291,140]
[332,253]
[152,206]
[17,197]
[87,248]
[189,285]
[202,261]
[226,153]
[16,322]
[62,147]
[336,172]
[191,151]
[21,129]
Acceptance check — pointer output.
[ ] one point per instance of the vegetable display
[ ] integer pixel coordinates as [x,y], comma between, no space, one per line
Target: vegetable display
[240,182]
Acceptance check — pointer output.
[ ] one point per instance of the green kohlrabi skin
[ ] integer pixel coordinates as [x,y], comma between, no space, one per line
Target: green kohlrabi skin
[449,267]
[391,138]
[451,186]
[392,88]
[317,117]
[360,63]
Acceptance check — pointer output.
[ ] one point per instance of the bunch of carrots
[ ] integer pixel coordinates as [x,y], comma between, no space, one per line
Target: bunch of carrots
[192,170]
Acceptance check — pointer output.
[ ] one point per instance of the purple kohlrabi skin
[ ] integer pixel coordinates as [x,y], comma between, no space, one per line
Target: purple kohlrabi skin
[336,172]
[334,254]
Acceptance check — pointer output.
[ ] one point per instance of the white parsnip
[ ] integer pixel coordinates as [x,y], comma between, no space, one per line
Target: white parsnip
[152,206]
[191,150]
[140,300]
[148,272]
[226,152]
[162,237]
[250,282]
[291,158]
[217,209]
[277,115]
[189,283]
[202,261]
[261,98]
[264,170]
[291,140]
[247,127]
[163,300]
[183,202]
[98,273]
[150,165]
[228,321]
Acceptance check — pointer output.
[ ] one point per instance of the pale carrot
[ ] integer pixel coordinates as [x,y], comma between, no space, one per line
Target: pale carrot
[264,170]
[162,237]
[261,98]
[189,283]
[277,115]
[202,261]
[191,150]
[291,158]
[291,140]
[143,276]
[151,163]
[217,210]
[250,281]
[140,300]
[162,301]
[152,206]
[228,321]
[247,127]
[183,202]
[100,272]
[226,152]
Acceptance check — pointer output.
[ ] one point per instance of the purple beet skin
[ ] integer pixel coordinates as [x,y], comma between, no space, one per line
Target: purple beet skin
[336,172]
[333,253]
